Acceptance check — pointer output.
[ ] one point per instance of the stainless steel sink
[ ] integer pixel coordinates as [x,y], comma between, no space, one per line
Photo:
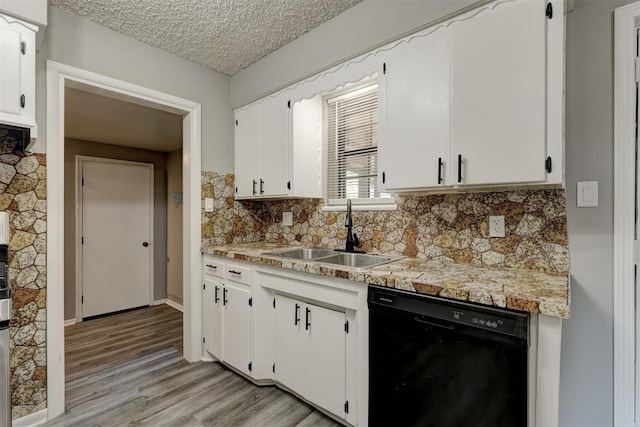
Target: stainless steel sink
[354,260]
[307,254]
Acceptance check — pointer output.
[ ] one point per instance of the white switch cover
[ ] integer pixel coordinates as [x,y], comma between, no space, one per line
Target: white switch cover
[496,226]
[587,194]
[208,204]
[287,219]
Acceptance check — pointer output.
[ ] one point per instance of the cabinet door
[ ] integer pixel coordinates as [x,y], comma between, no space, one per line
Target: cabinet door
[289,351]
[275,139]
[11,59]
[414,122]
[325,356]
[498,109]
[247,145]
[236,327]
[213,318]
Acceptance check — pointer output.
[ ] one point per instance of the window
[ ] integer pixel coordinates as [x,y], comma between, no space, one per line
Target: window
[352,148]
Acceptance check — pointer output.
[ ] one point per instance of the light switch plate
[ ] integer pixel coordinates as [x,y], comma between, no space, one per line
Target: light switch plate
[287,219]
[587,196]
[208,204]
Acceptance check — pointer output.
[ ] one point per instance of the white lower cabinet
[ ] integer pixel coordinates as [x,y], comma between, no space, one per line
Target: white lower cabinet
[212,314]
[235,336]
[226,319]
[303,332]
[310,356]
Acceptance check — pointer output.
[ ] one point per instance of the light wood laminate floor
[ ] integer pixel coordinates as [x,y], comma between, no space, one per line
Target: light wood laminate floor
[157,387]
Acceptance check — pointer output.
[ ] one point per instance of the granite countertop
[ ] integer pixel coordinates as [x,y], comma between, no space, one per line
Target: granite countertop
[518,289]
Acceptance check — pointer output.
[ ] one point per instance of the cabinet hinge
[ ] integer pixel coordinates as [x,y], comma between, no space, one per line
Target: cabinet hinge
[274,303]
[273,368]
[346,326]
[549,10]
[23,47]
[204,340]
[547,164]
[250,366]
[288,185]
[346,407]
[289,104]
[251,302]
[384,68]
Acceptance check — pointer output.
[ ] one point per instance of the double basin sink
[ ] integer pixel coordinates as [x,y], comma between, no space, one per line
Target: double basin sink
[331,256]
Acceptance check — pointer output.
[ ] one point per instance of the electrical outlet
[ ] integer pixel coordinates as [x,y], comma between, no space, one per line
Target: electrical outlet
[208,204]
[496,226]
[287,219]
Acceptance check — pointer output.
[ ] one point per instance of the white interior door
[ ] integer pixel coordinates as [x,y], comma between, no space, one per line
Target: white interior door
[117,224]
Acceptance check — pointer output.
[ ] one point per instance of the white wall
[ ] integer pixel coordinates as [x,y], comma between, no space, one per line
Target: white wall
[355,31]
[586,388]
[586,385]
[81,43]
[34,11]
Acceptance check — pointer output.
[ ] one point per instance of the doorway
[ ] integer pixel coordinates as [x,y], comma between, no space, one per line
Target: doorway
[626,378]
[60,76]
[115,222]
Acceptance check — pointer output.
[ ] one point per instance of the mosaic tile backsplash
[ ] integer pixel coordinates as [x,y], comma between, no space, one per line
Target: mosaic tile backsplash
[23,195]
[452,227]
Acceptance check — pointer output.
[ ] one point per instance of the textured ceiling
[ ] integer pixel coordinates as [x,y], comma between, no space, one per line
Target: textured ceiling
[224,35]
[102,118]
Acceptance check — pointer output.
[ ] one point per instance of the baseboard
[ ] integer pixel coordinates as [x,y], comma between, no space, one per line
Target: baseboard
[35,419]
[175,305]
[70,322]
[159,301]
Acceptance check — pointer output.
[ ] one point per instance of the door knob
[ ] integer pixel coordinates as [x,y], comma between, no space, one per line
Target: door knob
[145,244]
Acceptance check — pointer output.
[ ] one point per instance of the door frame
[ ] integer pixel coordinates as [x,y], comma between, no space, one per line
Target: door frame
[58,75]
[624,328]
[80,160]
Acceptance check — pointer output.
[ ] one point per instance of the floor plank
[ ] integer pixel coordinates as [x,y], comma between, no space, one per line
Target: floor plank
[145,381]
[96,344]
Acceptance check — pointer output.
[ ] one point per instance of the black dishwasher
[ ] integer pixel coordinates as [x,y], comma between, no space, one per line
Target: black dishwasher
[434,362]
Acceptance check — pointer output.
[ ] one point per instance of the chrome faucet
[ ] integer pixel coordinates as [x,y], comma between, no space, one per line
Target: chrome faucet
[352,238]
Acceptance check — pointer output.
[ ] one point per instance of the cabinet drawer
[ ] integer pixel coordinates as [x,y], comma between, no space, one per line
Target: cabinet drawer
[213,268]
[238,274]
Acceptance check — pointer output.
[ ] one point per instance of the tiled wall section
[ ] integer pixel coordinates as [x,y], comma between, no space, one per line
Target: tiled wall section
[446,227]
[23,195]
[230,221]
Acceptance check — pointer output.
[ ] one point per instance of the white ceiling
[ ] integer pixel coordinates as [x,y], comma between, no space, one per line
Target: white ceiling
[104,118]
[224,35]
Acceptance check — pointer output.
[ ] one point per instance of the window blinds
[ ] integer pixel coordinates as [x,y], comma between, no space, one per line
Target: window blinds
[352,139]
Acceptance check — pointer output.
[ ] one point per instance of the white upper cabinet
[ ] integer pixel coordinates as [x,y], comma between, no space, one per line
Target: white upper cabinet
[274,146]
[415,105]
[278,148]
[498,129]
[247,154]
[476,101]
[18,73]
